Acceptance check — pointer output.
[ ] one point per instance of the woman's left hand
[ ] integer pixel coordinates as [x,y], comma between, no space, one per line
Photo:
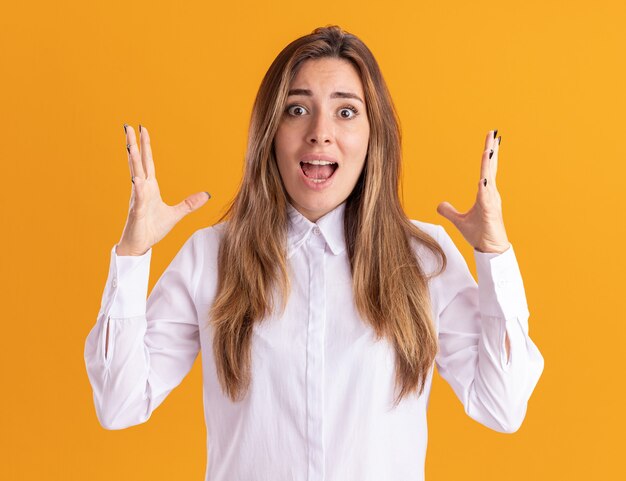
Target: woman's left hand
[482,225]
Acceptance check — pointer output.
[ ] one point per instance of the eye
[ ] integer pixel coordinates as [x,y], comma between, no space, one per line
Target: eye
[295,110]
[348,112]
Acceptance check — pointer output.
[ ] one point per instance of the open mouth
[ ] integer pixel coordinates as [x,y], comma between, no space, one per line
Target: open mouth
[318,170]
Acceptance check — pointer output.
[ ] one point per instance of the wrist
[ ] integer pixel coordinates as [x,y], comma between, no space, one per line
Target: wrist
[499,249]
[122,250]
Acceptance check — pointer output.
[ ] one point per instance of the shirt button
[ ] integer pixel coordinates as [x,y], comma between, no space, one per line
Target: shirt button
[114,282]
[316,230]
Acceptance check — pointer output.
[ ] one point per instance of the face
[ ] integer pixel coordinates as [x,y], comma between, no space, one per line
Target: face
[322,138]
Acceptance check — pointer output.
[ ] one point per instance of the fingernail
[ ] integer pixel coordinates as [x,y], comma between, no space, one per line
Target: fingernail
[139,128]
[125,125]
[495,132]
[499,140]
[207,194]
[128,148]
[490,153]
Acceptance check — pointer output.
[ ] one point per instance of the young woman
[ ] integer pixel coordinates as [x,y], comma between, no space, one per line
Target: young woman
[320,309]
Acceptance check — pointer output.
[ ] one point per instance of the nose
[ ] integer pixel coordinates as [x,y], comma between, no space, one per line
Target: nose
[321,130]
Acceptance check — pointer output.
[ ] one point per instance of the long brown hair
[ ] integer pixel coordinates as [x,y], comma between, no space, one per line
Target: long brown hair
[390,287]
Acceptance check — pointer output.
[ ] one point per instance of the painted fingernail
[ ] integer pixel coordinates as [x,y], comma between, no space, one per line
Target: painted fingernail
[207,194]
[125,125]
[499,140]
[128,148]
[495,132]
[490,153]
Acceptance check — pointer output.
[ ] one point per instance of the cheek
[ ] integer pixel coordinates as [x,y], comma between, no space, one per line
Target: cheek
[283,145]
[280,144]
[356,147]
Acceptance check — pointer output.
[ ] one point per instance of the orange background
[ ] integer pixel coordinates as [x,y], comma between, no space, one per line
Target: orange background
[549,75]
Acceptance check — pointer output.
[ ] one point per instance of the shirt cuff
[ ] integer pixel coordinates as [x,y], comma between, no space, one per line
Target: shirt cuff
[500,287]
[127,284]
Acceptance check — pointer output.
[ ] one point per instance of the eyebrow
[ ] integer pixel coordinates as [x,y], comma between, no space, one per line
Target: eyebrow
[334,95]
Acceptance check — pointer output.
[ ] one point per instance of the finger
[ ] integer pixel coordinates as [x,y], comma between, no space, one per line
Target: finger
[134,157]
[486,165]
[146,153]
[130,166]
[448,211]
[489,139]
[494,158]
[191,203]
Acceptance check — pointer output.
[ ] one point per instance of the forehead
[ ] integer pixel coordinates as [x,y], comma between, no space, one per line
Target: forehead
[327,74]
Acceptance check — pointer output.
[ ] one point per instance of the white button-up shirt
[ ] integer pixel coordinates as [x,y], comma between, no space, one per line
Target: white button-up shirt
[319,406]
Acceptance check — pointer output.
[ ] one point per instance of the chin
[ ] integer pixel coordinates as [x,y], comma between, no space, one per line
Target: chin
[315,207]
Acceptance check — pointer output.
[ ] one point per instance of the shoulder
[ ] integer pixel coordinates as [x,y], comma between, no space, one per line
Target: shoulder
[205,243]
[439,233]
[444,240]
[212,233]
[429,228]
[435,231]
[428,258]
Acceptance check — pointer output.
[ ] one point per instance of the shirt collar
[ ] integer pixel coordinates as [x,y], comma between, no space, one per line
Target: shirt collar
[330,225]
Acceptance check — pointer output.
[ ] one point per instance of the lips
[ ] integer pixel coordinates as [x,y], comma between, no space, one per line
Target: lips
[317,156]
[318,167]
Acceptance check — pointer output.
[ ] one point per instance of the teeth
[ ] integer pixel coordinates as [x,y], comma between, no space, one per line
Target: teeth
[318,162]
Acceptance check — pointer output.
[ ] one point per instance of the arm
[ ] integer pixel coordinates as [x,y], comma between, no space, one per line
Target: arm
[475,321]
[139,350]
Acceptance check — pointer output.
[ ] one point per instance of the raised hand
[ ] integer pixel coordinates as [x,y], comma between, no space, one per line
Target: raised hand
[149,218]
[482,225]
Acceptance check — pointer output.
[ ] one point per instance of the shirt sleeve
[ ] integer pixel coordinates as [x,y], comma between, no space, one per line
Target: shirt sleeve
[473,322]
[152,344]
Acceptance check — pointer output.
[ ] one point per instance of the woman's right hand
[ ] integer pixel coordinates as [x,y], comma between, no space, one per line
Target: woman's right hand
[149,218]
